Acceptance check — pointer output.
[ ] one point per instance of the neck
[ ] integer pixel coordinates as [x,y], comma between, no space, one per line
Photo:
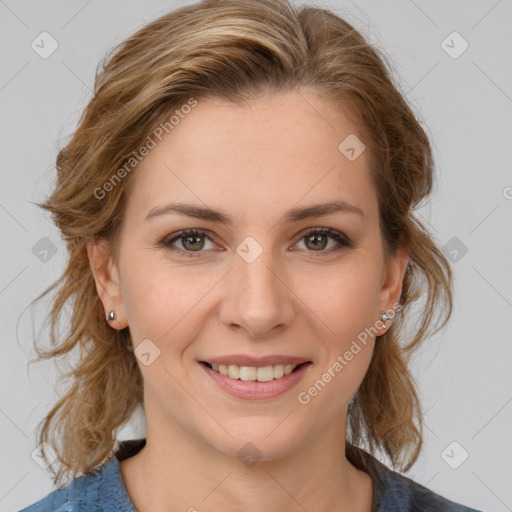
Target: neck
[176,471]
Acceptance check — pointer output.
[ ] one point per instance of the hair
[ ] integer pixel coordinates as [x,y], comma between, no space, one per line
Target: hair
[236,51]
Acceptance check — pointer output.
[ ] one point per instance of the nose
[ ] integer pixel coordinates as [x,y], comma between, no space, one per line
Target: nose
[256,298]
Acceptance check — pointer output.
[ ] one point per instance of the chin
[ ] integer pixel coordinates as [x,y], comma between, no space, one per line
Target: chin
[257,439]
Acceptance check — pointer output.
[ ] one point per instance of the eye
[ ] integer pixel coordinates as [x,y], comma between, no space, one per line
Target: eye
[315,240]
[190,241]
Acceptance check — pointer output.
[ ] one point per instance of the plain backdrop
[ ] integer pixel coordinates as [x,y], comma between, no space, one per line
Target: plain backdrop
[453,61]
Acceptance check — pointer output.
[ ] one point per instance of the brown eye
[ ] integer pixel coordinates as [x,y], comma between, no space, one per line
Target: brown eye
[317,240]
[191,241]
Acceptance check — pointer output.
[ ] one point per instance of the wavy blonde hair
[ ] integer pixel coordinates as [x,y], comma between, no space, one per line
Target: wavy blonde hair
[235,50]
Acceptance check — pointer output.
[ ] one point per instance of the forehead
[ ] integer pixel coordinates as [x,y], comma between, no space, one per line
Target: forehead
[277,150]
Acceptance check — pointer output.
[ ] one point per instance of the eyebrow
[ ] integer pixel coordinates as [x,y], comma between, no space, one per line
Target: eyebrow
[293,215]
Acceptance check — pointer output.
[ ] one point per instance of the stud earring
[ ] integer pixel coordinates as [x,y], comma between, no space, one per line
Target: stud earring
[385,316]
[112,315]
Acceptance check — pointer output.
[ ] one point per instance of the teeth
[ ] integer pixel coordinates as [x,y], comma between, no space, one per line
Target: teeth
[233,371]
[253,373]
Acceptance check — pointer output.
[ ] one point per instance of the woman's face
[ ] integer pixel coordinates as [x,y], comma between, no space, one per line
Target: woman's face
[258,280]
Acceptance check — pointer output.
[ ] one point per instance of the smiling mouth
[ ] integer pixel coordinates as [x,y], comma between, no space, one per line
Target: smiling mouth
[254,373]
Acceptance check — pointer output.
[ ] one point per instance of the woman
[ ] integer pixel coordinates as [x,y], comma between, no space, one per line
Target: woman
[237,204]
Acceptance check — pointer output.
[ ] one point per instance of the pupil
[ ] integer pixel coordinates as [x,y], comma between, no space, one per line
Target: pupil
[314,240]
[194,237]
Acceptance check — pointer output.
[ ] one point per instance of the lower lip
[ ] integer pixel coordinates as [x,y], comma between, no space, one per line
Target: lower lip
[254,390]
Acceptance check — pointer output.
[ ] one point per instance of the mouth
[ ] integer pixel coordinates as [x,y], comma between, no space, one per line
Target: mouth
[263,382]
[265,373]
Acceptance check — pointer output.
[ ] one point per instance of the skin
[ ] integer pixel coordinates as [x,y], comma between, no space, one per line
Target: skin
[254,163]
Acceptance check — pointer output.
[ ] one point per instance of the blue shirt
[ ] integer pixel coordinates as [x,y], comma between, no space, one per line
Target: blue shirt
[104,490]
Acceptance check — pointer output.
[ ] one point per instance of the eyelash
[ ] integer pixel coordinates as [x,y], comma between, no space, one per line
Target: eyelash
[342,240]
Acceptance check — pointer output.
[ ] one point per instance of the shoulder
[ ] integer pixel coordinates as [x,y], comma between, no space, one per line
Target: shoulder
[83,491]
[56,501]
[101,489]
[403,495]
[394,492]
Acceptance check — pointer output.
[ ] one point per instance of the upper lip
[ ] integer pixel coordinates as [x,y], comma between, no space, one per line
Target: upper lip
[242,360]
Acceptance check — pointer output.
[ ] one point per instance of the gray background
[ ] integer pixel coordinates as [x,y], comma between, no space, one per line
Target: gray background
[466,102]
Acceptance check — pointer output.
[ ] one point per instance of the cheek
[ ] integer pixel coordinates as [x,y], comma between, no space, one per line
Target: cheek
[346,302]
[162,302]
[347,310]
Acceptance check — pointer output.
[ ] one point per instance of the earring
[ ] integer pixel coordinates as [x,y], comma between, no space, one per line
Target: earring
[385,316]
[112,315]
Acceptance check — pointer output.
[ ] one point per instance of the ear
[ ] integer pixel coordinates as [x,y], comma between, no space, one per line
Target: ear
[106,276]
[392,280]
